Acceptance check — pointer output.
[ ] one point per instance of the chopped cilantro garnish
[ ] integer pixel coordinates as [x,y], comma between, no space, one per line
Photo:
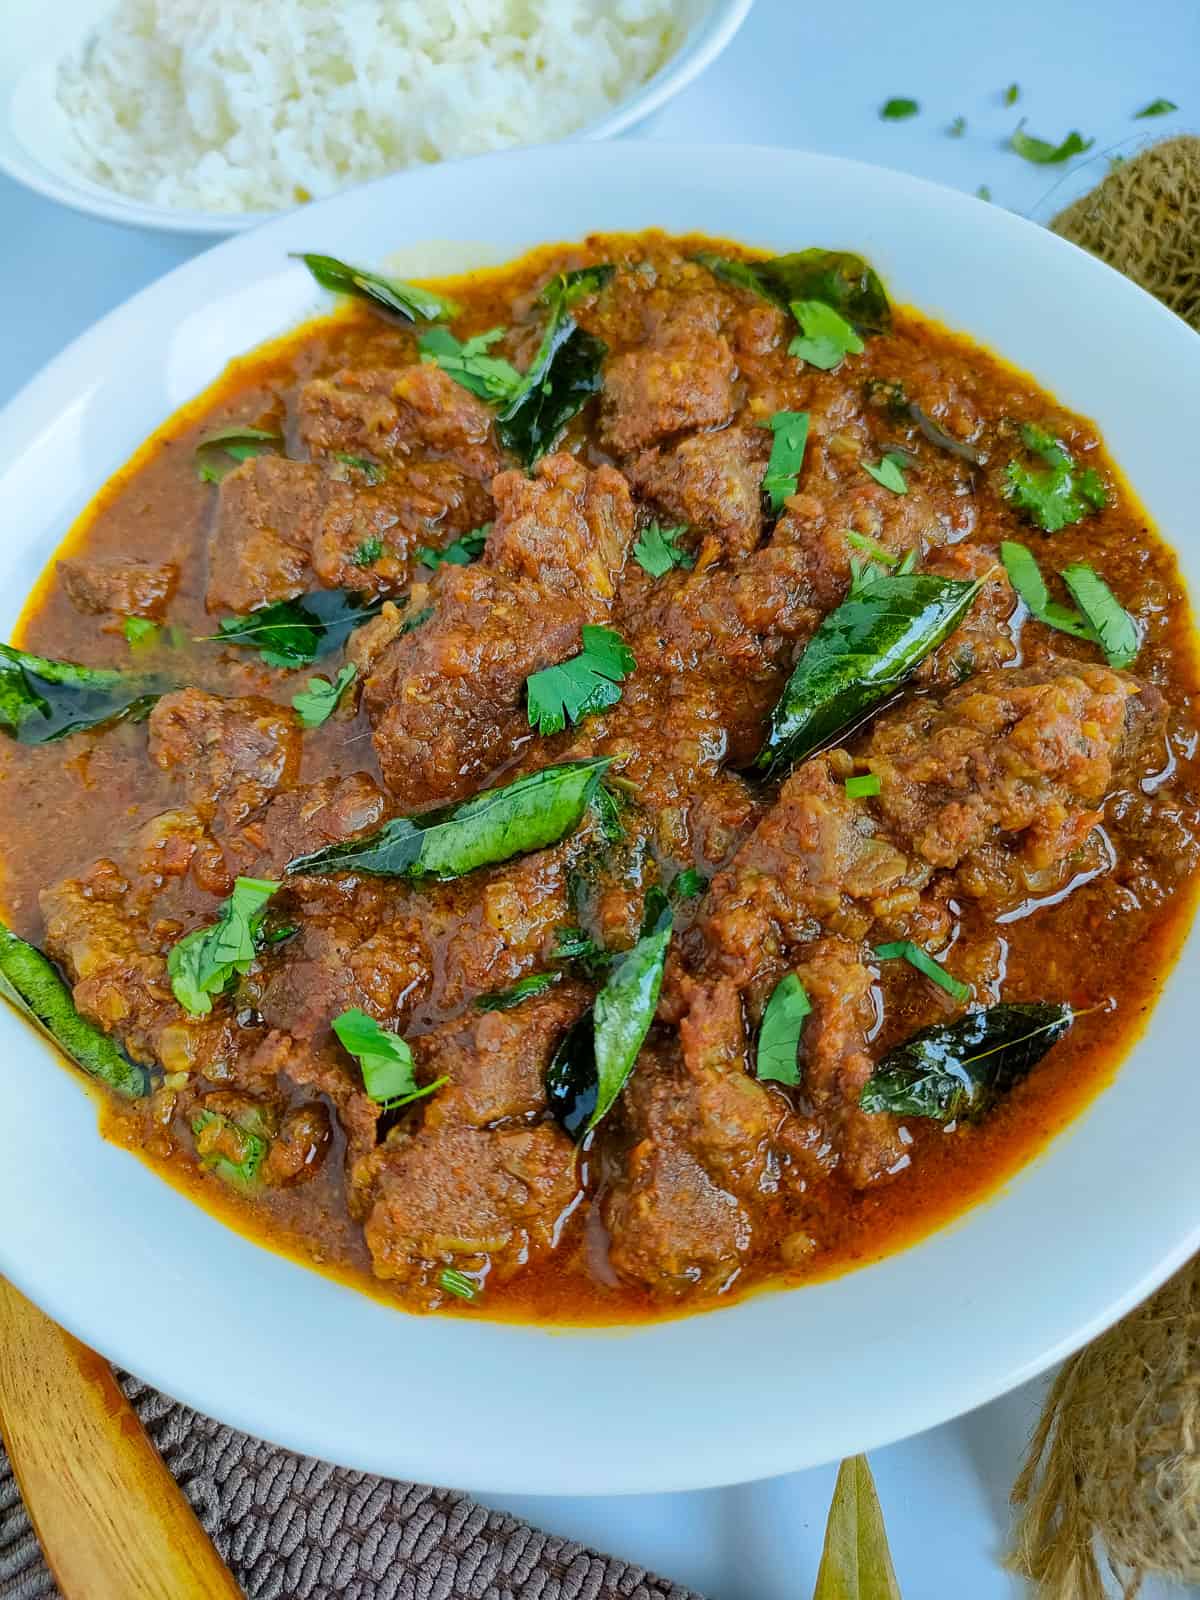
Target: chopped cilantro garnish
[1060,495]
[490,377]
[1012,94]
[983,192]
[587,682]
[205,961]
[371,470]
[957,128]
[779,1036]
[464,550]
[687,884]
[319,701]
[457,1283]
[787,456]
[1113,628]
[825,337]
[1042,152]
[1157,108]
[368,552]
[657,552]
[139,631]
[887,472]
[906,950]
[898,108]
[385,1059]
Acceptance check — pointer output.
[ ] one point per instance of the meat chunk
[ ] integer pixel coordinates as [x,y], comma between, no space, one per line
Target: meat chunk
[268,511]
[682,379]
[391,416]
[299,821]
[461,1197]
[712,481]
[1025,754]
[232,755]
[446,698]
[983,640]
[120,585]
[836,1063]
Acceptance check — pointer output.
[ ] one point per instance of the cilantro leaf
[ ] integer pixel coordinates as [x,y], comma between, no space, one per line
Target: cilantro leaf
[319,701]
[825,337]
[787,456]
[393,294]
[897,109]
[906,950]
[587,682]
[1058,497]
[229,1149]
[1113,628]
[983,192]
[887,473]
[218,453]
[140,631]
[1157,108]
[371,470]
[385,1058]
[686,885]
[656,551]
[568,288]
[779,1036]
[464,550]
[1012,94]
[1042,152]
[206,960]
[368,552]
[957,128]
[490,377]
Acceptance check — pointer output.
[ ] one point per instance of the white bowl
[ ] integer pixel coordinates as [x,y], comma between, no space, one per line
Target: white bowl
[36,144]
[784,1380]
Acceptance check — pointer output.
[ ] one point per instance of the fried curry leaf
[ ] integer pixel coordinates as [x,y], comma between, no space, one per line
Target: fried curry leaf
[218,453]
[571,1084]
[587,682]
[825,337]
[891,395]
[1059,496]
[856,1563]
[656,550]
[835,277]
[787,456]
[319,701]
[41,699]
[923,962]
[861,653]
[460,553]
[960,1068]
[229,1149]
[1042,152]
[30,982]
[490,377]
[779,1036]
[524,989]
[205,961]
[385,1058]
[494,825]
[393,294]
[625,1007]
[293,633]
[1113,629]
[562,377]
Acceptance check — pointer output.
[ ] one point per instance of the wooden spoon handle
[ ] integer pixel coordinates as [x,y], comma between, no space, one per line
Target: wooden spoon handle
[112,1521]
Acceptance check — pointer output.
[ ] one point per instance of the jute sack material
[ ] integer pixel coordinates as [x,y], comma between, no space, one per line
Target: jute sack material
[1115,1464]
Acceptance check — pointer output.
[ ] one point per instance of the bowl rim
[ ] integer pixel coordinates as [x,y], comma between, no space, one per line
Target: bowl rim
[707,38]
[652,1369]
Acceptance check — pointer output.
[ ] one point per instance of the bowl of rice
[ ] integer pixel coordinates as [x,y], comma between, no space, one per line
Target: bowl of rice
[206,116]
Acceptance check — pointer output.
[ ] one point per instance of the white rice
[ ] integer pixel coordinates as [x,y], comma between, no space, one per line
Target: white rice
[254,105]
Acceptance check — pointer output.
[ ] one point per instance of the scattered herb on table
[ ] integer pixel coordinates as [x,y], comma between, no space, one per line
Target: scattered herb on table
[656,550]
[1012,94]
[1157,108]
[460,552]
[898,109]
[42,700]
[385,1058]
[217,454]
[1059,495]
[293,633]
[924,963]
[524,989]
[409,300]
[1042,152]
[494,825]
[777,1057]
[957,128]
[584,684]
[30,982]
[490,377]
[825,338]
[207,960]
[787,456]
[856,1563]
[887,472]
[319,701]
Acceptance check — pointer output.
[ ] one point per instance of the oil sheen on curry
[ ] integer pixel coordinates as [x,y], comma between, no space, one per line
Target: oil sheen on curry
[578,792]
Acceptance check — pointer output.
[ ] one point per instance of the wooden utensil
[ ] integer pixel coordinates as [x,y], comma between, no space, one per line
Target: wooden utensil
[113,1523]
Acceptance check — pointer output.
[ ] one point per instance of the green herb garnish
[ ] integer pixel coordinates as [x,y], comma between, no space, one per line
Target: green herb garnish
[42,700]
[207,960]
[586,683]
[1101,618]
[906,950]
[825,337]
[393,294]
[319,701]
[898,109]
[835,277]
[140,632]
[458,1284]
[957,128]
[779,1036]
[863,786]
[983,192]
[217,454]
[372,471]
[228,1149]
[1059,496]
[1012,94]
[689,883]
[523,989]
[490,377]
[1157,108]
[385,1058]
[465,549]
[1042,152]
[625,1006]
[787,456]
[368,552]
[656,551]
[888,472]
[293,633]
[563,375]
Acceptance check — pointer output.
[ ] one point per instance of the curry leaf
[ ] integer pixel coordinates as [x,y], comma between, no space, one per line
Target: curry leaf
[835,277]
[856,1563]
[217,454]
[229,1149]
[825,337]
[385,1059]
[31,983]
[656,550]
[205,961]
[561,379]
[625,1007]
[586,683]
[1042,152]
[494,825]
[898,108]
[960,1068]
[393,294]
[293,633]
[523,989]
[923,962]
[861,653]
[490,377]
[787,456]
[319,701]
[571,1084]
[1059,496]
[1113,629]
[460,553]
[779,1036]
[41,699]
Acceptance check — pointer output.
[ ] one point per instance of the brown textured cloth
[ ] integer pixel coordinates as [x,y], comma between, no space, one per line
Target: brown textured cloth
[291,1528]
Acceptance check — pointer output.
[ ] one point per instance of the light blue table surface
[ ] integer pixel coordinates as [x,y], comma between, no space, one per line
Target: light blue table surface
[814,76]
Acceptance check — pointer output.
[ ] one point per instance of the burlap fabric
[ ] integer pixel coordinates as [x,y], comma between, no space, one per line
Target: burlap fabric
[291,1528]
